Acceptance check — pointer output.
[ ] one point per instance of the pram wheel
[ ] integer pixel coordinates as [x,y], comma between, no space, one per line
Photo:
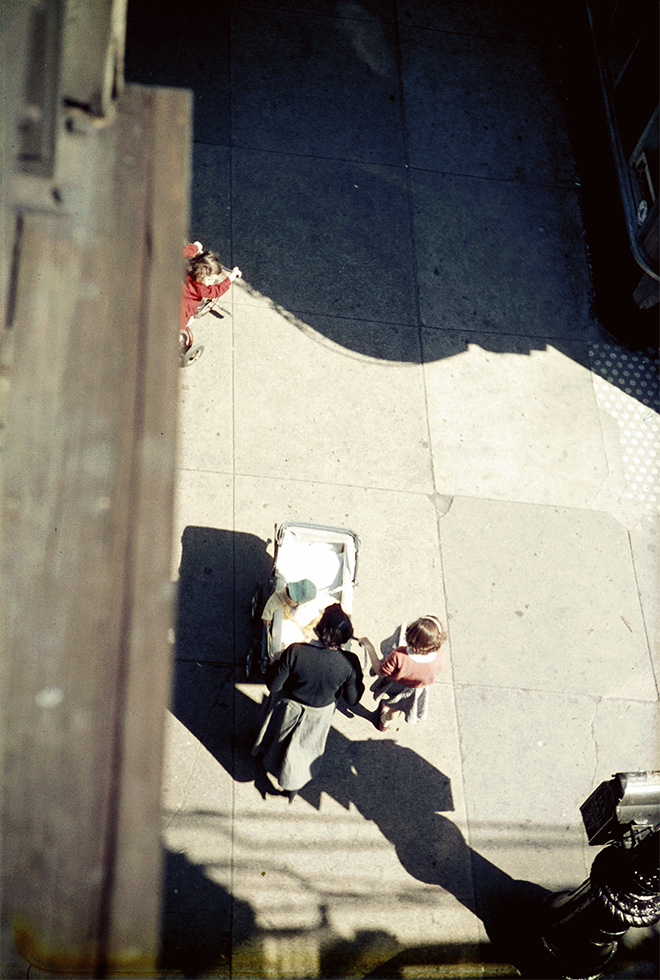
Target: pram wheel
[192,355]
[255,660]
[255,651]
[249,660]
[257,604]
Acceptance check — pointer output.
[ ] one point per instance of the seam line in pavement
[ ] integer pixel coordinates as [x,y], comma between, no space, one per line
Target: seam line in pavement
[408,325]
[357,162]
[430,494]
[558,692]
[649,638]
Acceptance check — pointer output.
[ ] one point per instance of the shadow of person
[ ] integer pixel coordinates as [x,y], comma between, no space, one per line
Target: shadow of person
[357,956]
[218,573]
[406,797]
[390,642]
[201,922]
[390,785]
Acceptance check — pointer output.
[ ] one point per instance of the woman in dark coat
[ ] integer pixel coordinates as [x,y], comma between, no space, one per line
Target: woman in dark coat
[304,688]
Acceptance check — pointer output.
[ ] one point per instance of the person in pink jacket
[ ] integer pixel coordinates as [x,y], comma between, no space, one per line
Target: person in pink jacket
[407,673]
[203,271]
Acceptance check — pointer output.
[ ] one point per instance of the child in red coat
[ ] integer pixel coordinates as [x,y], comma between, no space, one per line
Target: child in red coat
[407,673]
[203,270]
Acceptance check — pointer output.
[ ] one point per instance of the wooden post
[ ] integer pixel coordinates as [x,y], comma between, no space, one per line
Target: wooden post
[88,487]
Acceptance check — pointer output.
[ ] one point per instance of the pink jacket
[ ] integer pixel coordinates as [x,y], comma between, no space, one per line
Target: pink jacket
[420,672]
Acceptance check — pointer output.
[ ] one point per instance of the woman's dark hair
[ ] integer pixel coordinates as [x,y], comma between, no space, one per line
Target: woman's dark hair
[202,265]
[335,627]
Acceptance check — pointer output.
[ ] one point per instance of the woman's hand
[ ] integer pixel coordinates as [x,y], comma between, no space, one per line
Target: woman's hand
[366,643]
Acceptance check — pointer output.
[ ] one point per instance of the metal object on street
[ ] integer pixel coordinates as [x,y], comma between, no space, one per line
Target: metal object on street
[626,808]
[625,47]
[582,928]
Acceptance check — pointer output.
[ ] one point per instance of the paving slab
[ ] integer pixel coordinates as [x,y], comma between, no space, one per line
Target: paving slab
[644,536]
[210,197]
[543,598]
[335,94]
[511,422]
[513,20]
[628,398]
[503,123]
[366,339]
[168,49]
[205,552]
[205,398]
[203,499]
[199,763]
[201,920]
[218,563]
[360,418]
[627,737]
[529,761]
[323,236]
[498,256]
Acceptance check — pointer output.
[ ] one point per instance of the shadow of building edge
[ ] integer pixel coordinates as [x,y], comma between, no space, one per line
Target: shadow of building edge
[558,29]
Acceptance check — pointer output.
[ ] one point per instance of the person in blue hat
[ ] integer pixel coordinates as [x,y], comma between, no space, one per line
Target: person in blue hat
[293,594]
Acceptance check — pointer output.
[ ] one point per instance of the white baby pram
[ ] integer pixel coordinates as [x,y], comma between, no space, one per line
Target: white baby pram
[328,557]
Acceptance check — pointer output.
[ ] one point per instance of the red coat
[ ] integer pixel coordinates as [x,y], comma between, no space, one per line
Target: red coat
[412,673]
[194,292]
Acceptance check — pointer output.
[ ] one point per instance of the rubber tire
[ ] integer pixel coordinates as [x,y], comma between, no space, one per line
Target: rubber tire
[192,355]
[257,604]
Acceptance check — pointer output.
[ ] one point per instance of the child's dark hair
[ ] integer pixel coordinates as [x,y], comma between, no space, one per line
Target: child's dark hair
[202,265]
[425,634]
[335,627]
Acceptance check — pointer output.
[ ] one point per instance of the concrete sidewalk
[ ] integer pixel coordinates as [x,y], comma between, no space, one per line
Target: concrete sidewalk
[411,355]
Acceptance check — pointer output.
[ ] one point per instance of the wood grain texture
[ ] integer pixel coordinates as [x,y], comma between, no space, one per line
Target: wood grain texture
[88,489]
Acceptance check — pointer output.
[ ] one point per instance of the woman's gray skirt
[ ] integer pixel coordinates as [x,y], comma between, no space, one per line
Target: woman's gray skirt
[413,701]
[292,739]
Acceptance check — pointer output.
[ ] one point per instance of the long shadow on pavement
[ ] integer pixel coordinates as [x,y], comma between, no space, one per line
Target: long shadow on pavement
[200,921]
[391,785]
[286,260]
[404,796]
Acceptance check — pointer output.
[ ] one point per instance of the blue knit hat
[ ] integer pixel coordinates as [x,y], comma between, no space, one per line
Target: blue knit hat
[301,591]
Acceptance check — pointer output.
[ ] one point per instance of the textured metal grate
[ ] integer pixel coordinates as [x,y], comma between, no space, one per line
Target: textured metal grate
[626,385]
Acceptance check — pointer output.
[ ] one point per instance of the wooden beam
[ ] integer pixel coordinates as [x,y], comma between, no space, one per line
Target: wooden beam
[88,490]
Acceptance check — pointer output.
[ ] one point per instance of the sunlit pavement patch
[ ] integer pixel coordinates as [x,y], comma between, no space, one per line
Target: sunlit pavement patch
[626,386]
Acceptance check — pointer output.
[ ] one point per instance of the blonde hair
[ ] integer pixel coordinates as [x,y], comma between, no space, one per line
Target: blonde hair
[425,634]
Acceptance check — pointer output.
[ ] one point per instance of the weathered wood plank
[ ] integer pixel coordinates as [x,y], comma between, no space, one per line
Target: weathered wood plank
[148,691]
[88,496]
